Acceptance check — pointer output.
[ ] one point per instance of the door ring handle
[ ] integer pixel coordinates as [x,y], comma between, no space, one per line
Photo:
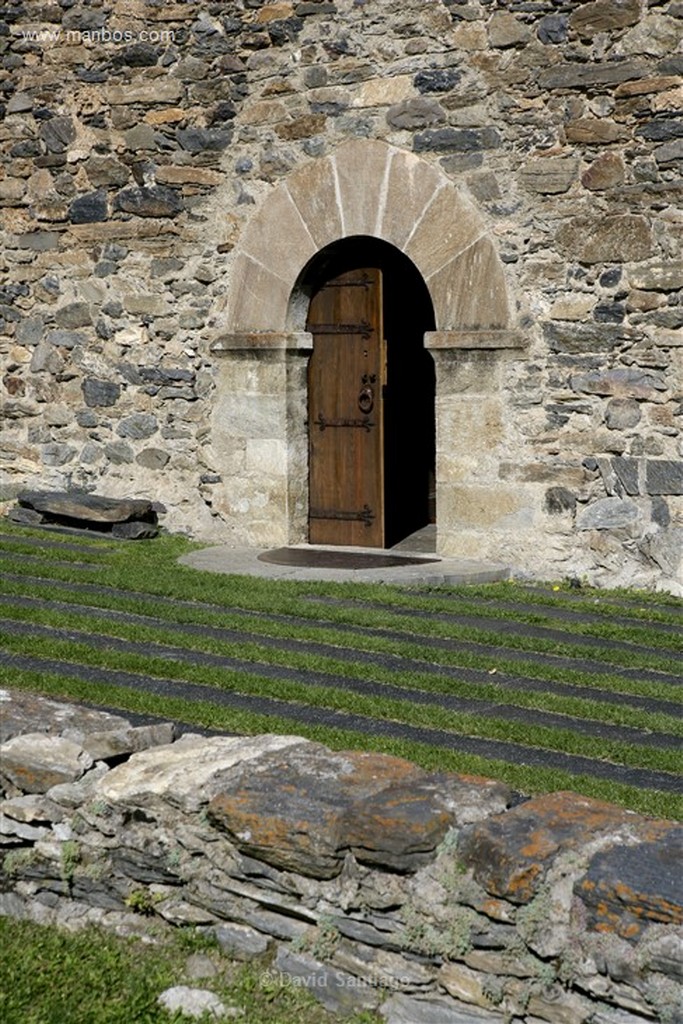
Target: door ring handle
[366,400]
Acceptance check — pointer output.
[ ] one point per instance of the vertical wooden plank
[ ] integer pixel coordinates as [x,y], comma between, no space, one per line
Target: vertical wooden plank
[345,425]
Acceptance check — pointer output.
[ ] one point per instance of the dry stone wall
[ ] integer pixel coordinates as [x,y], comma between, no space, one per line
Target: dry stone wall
[140,140]
[433,898]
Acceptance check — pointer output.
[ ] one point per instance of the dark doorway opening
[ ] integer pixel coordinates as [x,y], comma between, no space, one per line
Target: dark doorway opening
[408,394]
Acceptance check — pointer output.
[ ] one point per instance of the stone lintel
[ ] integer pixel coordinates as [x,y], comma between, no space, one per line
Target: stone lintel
[507,338]
[263,341]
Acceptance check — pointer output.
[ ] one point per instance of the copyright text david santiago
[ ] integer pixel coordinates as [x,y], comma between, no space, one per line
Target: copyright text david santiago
[332,979]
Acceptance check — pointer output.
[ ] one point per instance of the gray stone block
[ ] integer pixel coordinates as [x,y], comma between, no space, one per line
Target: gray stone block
[607,514]
[100,392]
[338,991]
[627,472]
[401,1009]
[663,476]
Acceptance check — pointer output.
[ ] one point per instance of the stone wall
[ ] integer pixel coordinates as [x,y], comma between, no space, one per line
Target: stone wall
[146,145]
[435,898]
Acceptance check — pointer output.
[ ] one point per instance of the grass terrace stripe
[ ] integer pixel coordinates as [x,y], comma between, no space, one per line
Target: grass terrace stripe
[557,612]
[539,658]
[667,602]
[510,627]
[45,542]
[482,708]
[498,750]
[16,556]
[394,662]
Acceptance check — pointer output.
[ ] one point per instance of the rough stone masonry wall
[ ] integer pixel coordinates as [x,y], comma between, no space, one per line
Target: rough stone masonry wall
[436,898]
[132,161]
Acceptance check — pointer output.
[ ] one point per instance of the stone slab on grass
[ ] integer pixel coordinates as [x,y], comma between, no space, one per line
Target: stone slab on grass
[90,507]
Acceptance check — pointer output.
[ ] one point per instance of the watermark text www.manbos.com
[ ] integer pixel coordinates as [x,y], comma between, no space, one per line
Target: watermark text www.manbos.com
[76,37]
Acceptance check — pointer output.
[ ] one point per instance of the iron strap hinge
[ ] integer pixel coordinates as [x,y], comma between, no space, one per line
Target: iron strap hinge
[364,328]
[366,515]
[364,424]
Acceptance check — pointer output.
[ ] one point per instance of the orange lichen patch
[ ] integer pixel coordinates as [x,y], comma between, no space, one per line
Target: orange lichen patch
[628,887]
[540,845]
[512,853]
[306,811]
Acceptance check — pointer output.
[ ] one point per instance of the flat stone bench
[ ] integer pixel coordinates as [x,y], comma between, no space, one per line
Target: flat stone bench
[123,518]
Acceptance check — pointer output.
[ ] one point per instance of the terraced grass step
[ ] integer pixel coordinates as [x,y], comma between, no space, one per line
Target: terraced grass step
[382,691]
[306,714]
[495,682]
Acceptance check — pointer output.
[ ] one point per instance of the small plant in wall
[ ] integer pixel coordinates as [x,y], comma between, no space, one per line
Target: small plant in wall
[142,901]
[70,858]
[322,942]
[16,860]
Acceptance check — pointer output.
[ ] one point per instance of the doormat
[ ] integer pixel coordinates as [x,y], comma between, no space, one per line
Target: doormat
[315,558]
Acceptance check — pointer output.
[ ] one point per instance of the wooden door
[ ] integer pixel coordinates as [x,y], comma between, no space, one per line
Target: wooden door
[345,415]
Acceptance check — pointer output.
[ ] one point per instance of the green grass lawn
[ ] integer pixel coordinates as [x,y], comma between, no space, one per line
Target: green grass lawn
[389,655]
[48,976]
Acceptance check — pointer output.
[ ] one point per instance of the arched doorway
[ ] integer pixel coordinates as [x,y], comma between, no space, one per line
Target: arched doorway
[371,423]
[259,423]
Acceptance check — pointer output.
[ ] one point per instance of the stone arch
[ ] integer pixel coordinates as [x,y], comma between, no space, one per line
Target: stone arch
[367,187]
